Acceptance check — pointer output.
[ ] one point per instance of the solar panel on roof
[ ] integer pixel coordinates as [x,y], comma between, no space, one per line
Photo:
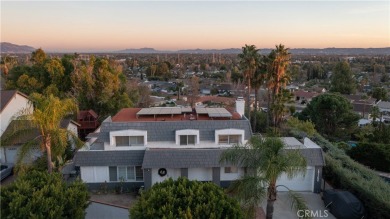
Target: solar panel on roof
[160,111]
[214,112]
[186,110]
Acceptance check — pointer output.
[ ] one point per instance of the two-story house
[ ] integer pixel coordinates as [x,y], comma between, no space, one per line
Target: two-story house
[144,146]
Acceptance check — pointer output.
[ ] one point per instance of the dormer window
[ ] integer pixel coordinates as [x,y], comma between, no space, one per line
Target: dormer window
[129,141]
[187,137]
[229,139]
[128,138]
[229,136]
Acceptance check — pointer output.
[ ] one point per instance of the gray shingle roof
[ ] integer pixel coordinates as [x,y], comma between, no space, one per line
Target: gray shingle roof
[197,158]
[314,156]
[165,130]
[109,158]
[183,158]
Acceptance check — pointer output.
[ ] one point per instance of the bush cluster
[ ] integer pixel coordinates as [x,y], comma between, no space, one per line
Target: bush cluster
[376,156]
[183,198]
[41,195]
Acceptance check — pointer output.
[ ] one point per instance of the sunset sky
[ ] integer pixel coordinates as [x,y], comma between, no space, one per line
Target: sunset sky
[90,26]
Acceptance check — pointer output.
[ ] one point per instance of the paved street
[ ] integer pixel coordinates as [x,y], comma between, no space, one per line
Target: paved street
[100,211]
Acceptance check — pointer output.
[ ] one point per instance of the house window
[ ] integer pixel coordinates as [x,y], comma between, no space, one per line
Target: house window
[229,139]
[126,173]
[187,139]
[231,170]
[129,141]
[122,140]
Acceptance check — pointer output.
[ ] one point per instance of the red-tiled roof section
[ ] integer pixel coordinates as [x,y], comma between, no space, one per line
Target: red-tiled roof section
[130,115]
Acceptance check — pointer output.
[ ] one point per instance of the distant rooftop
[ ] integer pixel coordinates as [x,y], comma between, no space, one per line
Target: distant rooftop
[174,114]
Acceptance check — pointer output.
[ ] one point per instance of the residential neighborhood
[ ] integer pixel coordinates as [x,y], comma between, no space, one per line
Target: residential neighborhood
[204,109]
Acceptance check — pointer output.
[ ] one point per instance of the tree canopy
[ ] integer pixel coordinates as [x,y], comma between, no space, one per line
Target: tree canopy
[343,79]
[42,195]
[99,84]
[331,114]
[183,198]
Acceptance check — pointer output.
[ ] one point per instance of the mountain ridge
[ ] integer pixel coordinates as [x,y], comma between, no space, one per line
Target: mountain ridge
[7,47]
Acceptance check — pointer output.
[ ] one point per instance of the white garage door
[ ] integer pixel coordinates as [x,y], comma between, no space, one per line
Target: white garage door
[299,183]
[10,154]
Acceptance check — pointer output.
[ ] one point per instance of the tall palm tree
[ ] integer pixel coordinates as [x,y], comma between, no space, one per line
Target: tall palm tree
[265,161]
[248,59]
[257,81]
[45,120]
[277,77]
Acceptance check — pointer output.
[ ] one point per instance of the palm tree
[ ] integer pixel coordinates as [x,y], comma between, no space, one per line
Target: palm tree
[249,59]
[265,161]
[45,121]
[277,77]
[257,82]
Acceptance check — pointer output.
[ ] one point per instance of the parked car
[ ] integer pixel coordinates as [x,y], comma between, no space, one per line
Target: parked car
[6,170]
[343,204]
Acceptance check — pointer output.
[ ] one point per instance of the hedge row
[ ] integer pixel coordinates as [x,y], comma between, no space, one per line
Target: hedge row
[345,173]
[376,156]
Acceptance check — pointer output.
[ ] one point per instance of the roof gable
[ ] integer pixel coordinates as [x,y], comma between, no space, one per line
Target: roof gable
[6,97]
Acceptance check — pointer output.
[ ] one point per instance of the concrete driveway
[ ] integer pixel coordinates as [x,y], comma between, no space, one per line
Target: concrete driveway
[101,211]
[282,206]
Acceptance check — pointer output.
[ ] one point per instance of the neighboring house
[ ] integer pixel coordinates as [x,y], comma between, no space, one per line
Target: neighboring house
[10,152]
[304,97]
[12,102]
[362,106]
[89,122]
[72,127]
[140,147]
[384,108]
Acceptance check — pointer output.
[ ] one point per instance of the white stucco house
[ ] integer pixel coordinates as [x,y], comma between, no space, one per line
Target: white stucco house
[12,103]
[140,147]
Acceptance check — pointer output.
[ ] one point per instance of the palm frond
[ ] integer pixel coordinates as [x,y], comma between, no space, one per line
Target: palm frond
[25,152]
[298,203]
[249,190]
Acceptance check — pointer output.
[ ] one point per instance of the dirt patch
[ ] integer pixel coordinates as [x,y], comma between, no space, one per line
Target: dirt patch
[119,200]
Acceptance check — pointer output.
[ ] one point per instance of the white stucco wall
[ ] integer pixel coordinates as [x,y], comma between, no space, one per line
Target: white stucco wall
[15,105]
[94,174]
[231,176]
[200,174]
[171,173]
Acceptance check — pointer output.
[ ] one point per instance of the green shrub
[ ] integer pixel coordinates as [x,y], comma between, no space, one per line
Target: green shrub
[344,173]
[185,199]
[41,195]
[376,156]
